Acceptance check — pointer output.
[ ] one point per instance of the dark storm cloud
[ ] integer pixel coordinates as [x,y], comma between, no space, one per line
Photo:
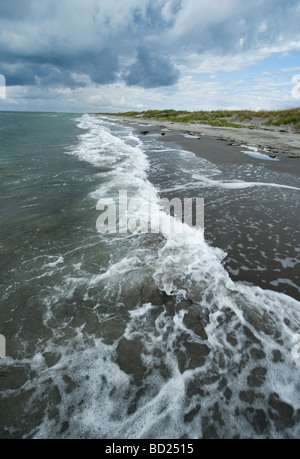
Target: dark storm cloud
[139,41]
[151,70]
[14,9]
[39,74]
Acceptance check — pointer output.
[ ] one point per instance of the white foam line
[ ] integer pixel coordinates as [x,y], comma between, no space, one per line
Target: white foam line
[279,281]
[169,150]
[234,185]
[205,182]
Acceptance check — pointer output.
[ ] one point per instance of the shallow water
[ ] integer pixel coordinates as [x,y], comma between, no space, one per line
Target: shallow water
[142,335]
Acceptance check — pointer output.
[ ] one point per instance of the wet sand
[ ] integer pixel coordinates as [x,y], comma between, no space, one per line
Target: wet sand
[222,145]
[232,234]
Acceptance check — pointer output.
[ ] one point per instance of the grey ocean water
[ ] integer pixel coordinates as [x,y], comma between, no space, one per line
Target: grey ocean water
[142,335]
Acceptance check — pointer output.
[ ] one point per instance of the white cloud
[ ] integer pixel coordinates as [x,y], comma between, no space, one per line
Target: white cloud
[84,51]
[265,91]
[198,15]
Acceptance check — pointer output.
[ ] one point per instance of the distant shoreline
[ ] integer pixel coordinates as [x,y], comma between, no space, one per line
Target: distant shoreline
[277,139]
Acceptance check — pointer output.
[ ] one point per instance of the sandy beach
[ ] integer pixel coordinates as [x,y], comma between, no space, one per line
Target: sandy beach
[230,148]
[284,144]
[145,335]
[150,222]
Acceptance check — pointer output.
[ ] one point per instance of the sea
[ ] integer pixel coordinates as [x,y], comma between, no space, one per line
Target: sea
[145,333]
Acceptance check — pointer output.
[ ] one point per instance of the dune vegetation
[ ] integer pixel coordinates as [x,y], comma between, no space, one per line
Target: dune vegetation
[228,118]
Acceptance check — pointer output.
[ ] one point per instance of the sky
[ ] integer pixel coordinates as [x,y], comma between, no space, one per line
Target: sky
[119,55]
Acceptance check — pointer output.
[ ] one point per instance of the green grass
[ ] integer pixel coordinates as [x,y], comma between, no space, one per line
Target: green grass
[221,118]
[285,117]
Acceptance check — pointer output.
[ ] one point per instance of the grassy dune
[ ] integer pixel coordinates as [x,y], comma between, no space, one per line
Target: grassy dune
[231,118]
